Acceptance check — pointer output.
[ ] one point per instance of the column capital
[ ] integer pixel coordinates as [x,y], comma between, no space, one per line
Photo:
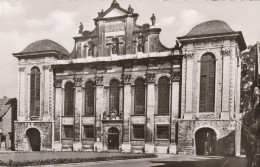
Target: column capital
[21,69]
[99,81]
[127,79]
[46,67]
[226,51]
[189,54]
[58,83]
[176,76]
[150,77]
[78,82]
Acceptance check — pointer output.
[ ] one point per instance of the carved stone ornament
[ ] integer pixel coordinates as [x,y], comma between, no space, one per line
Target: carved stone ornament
[150,77]
[21,69]
[99,80]
[46,67]
[189,54]
[176,76]
[78,82]
[226,51]
[58,83]
[81,27]
[127,79]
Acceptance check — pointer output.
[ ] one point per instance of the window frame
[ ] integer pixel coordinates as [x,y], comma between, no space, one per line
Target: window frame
[84,134]
[65,109]
[209,54]
[157,131]
[86,113]
[144,97]
[163,100]
[64,132]
[35,103]
[133,132]
[113,99]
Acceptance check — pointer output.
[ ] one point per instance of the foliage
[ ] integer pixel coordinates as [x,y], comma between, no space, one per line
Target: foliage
[248,73]
[74,160]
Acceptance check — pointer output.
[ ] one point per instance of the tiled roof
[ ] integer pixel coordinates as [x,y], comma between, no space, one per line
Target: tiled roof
[5,104]
[210,27]
[45,45]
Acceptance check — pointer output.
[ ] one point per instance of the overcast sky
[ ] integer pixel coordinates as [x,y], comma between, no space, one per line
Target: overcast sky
[25,21]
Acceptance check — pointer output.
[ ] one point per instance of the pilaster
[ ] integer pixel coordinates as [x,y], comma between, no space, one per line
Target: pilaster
[58,111]
[126,146]
[46,81]
[78,110]
[99,106]
[149,146]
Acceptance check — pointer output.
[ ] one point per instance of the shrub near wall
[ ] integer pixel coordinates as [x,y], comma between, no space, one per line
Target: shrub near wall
[74,160]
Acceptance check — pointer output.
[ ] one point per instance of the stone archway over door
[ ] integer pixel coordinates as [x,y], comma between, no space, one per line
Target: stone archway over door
[113,139]
[34,138]
[205,139]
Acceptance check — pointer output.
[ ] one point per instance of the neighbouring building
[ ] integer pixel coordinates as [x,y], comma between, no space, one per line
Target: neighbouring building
[122,89]
[8,113]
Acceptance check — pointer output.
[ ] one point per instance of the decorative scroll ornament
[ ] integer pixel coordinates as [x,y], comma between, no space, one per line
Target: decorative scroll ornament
[226,51]
[58,83]
[189,54]
[46,67]
[127,79]
[99,80]
[150,77]
[21,69]
[176,76]
[78,82]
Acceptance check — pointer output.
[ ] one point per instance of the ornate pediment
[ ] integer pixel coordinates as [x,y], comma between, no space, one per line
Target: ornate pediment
[114,13]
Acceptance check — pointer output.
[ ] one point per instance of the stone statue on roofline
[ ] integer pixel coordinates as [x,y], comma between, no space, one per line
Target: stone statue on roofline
[81,28]
[153,19]
[130,9]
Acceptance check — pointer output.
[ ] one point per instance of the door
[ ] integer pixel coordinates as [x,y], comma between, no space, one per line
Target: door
[113,139]
[34,139]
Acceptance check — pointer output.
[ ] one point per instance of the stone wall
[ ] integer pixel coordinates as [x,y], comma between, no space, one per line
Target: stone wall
[225,135]
[45,129]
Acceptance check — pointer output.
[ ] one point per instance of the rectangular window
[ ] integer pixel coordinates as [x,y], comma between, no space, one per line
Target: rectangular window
[163,132]
[68,131]
[138,131]
[88,131]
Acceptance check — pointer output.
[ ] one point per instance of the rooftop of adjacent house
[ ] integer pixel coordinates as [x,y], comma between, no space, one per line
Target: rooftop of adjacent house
[44,45]
[5,104]
[210,27]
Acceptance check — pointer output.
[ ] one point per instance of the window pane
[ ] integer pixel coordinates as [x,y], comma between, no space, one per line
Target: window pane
[138,131]
[68,131]
[69,99]
[114,96]
[35,92]
[163,132]
[89,131]
[139,97]
[207,83]
[89,98]
[163,95]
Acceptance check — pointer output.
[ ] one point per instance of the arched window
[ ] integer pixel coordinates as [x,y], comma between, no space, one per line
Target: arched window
[89,98]
[35,92]
[207,83]
[69,99]
[114,96]
[139,97]
[163,95]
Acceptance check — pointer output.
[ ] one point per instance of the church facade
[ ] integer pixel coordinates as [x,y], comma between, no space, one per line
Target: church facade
[122,89]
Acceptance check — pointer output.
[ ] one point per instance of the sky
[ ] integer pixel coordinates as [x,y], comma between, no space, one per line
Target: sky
[25,21]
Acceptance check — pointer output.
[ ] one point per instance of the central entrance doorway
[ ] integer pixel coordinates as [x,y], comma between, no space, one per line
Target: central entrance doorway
[113,139]
[34,139]
[205,139]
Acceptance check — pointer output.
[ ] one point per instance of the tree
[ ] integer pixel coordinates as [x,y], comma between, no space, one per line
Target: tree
[248,83]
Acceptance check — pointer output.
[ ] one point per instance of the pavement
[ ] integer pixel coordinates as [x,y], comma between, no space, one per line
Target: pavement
[166,160]
[163,160]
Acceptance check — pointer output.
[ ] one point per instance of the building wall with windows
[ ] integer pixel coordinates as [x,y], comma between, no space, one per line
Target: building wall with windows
[121,89]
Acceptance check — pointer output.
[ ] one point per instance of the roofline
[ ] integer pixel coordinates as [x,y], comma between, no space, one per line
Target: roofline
[12,101]
[54,53]
[187,39]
